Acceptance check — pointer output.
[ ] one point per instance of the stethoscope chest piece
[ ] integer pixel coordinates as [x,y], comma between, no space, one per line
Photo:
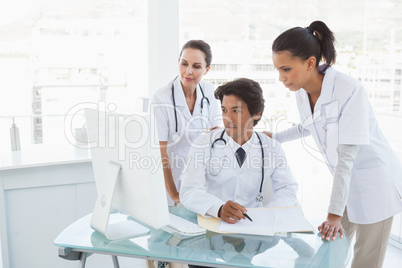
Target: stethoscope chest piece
[259,197]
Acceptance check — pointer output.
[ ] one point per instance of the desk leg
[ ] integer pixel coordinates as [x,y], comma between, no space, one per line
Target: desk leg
[83,259]
[115,262]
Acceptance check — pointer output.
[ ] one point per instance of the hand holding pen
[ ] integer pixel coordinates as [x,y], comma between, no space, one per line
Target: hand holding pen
[232,212]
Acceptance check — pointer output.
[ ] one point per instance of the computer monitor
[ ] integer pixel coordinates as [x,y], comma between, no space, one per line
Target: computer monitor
[128,173]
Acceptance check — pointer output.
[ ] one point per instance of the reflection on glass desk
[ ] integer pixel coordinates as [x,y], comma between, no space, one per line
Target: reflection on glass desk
[211,249]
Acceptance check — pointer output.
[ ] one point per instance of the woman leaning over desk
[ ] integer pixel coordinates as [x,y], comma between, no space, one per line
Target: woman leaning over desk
[335,110]
[183,109]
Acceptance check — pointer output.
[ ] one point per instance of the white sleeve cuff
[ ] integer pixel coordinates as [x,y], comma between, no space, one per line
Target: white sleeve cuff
[213,211]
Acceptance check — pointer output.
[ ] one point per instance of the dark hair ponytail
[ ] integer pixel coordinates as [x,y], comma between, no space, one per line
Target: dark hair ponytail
[315,40]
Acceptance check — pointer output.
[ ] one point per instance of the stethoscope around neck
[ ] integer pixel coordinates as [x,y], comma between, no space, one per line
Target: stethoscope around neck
[203,99]
[259,196]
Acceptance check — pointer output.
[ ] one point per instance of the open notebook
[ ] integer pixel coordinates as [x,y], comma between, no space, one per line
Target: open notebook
[266,221]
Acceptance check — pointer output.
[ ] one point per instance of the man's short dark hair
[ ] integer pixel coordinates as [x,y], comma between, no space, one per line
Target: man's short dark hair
[246,89]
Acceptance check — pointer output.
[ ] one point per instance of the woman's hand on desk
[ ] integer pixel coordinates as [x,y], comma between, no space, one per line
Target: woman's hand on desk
[329,229]
[232,212]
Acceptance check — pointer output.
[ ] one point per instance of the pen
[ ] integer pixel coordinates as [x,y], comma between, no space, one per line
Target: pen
[247,216]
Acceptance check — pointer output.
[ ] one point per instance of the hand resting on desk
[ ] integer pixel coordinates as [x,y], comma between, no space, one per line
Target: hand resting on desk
[330,228]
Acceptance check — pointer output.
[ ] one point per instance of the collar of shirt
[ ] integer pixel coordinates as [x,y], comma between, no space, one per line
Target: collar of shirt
[181,103]
[179,94]
[246,146]
[325,96]
[326,88]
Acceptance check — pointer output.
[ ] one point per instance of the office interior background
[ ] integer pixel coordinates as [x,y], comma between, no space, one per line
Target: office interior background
[57,54]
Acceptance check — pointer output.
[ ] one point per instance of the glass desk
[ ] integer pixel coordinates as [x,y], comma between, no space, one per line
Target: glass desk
[214,250]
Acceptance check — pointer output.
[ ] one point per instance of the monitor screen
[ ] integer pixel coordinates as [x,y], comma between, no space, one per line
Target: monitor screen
[128,172]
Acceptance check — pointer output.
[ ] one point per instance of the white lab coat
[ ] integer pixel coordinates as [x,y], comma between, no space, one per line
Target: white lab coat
[205,186]
[190,126]
[343,115]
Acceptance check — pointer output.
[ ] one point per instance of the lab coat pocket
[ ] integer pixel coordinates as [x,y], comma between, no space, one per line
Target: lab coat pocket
[373,195]
[333,134]
[217,164]
[330,120]
[330,111]
[371,183]
[380,171]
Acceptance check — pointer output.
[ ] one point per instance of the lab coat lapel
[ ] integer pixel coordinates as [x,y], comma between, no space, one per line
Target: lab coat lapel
[228,149]
[330,118]
[197,107]
[325,98]
[325,111]
[327,89]
[305,110]
[180,100]
[308,118]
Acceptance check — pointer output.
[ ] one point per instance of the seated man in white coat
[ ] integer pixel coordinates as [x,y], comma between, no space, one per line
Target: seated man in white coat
[228,168]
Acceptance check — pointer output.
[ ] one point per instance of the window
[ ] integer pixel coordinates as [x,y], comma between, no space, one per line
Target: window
[55,54]
[262,67]
[218,67]
[233,67]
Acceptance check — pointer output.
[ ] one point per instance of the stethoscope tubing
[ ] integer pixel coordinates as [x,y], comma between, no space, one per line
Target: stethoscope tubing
[174,102]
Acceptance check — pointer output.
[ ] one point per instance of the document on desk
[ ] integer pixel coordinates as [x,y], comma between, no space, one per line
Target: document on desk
[268,221]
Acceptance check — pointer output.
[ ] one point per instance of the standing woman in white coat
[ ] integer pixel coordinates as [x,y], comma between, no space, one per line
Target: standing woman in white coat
[335,110]
[183,109]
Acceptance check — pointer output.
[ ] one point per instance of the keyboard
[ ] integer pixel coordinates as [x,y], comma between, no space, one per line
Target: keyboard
[182,228]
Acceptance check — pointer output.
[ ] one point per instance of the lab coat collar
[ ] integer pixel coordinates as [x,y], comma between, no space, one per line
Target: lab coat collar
[252,142]
[325,97]
[197,107]
[179,94]
[305,104]
[227,149]
[327,88]
[181,100]
[232,145]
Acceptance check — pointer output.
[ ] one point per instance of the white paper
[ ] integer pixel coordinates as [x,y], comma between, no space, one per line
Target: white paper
[291,219]
[263,223]
[268,221]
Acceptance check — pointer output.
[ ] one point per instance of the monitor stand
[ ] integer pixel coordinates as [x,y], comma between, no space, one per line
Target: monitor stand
[111,225]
